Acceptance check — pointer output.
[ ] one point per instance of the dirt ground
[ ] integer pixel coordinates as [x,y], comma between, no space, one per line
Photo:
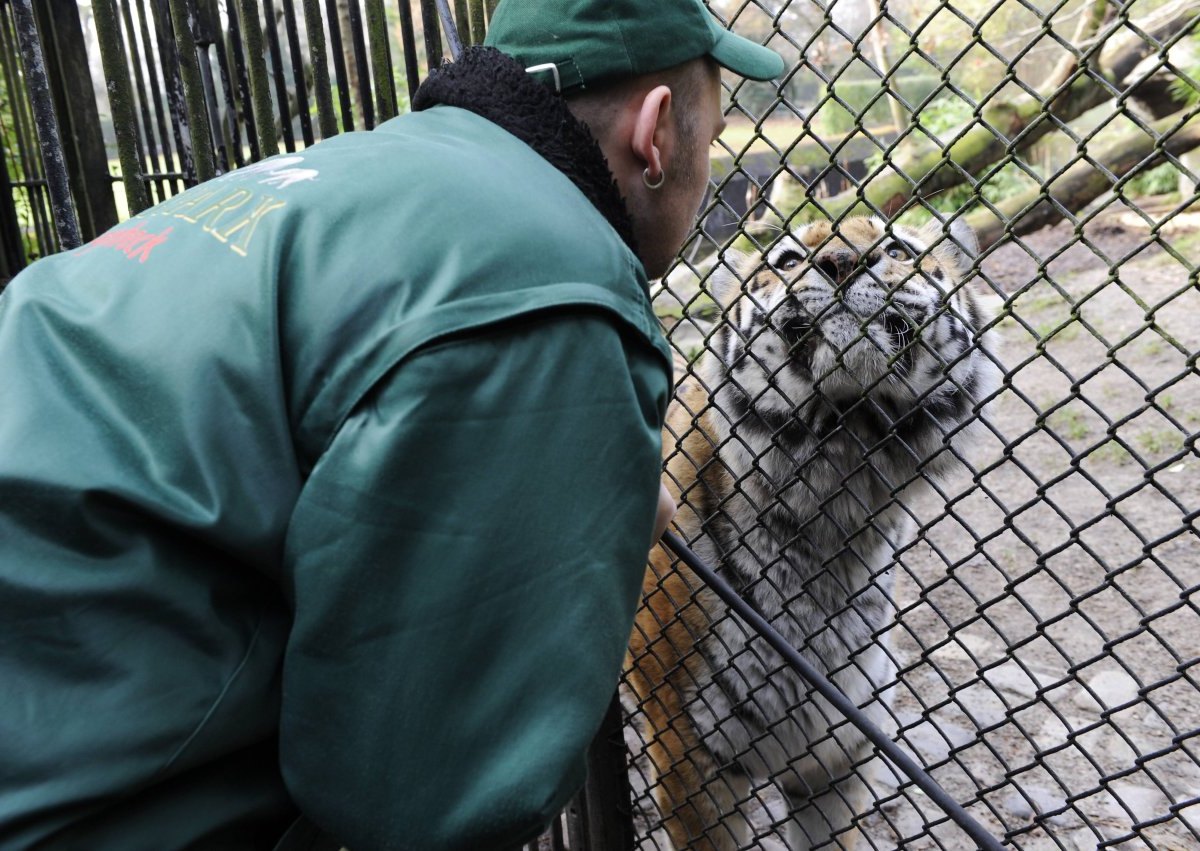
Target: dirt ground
[1048,631]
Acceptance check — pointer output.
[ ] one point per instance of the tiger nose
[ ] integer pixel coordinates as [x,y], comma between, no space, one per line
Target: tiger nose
[836,265]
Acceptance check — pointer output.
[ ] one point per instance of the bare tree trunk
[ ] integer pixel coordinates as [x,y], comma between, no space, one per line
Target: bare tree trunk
[881,59]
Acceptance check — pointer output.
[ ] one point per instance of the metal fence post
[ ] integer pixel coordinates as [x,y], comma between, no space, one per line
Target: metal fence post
[49,138]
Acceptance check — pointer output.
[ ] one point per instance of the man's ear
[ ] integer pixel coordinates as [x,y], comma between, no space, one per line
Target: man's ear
[651,130]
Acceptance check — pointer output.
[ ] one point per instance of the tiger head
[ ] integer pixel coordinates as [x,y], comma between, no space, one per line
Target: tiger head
[868,309]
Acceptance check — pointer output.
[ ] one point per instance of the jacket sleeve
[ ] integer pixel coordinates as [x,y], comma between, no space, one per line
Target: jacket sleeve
[466,559]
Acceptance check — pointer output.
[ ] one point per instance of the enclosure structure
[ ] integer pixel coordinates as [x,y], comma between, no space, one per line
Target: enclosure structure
[1042,629]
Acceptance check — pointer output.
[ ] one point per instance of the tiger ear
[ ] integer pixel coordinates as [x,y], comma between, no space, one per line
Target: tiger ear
[964,236]
[725,280]
[955,239]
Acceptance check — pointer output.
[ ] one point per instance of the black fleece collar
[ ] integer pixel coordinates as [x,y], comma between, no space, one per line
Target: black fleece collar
[494,86]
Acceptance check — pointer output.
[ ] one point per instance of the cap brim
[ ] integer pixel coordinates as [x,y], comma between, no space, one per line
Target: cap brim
[742,56]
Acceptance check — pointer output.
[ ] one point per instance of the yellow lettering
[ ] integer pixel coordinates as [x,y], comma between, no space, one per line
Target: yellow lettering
[187,201]
[219,209]
[249,224]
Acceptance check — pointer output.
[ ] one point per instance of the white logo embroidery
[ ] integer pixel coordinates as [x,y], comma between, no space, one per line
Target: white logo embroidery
[278,171]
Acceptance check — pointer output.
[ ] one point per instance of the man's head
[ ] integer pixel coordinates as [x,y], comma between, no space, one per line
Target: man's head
[644,76]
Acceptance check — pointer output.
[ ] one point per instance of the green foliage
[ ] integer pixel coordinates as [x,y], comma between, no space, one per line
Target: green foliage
[942,118]
[10,142]
[1160,180]
[1186,87]
[857,102]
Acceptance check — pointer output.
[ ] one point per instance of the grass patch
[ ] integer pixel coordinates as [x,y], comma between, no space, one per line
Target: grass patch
[1058,331]
[1111,453]
[1068,423]
[1161,441]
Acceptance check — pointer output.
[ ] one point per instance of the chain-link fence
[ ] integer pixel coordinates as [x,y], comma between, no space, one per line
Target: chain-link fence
[948,452]
[1021,619]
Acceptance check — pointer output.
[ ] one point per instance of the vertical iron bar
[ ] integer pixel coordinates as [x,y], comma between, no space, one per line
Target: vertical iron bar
[206,30]
[450,28]
[222,161]
[281,93]
[12,243]
[289,22]
[66,60]
[156,96]
[491,9]
[462,20]
[193,90]
[381,66]
[577,819]
[264,117]
[339,65]
[149,151]
[433,38]
[174,83]
[326,120]
[25,144]
[230,132]
[120,101]
[360,61]
[54,162]
[609,802]
[478,27]
[238,56]
[556,835]
[408,38]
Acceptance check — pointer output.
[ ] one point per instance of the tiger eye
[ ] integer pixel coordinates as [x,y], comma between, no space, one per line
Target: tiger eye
[898,252]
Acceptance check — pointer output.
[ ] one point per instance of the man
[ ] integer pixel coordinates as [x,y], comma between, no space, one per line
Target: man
[326,486]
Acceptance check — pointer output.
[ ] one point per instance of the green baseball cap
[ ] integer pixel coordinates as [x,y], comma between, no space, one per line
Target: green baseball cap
[585,42]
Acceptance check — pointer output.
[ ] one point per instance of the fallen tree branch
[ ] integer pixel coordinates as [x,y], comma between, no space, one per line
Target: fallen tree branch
[1084,182]
[921,167]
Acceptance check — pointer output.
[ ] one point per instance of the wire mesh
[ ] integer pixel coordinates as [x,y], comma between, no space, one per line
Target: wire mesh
[1037,645]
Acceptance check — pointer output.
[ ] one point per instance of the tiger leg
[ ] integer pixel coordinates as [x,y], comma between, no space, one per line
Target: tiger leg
[699,801]
[824,819]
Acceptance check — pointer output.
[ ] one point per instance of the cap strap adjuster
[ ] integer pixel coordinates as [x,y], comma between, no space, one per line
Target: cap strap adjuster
[552,68]
[565,74]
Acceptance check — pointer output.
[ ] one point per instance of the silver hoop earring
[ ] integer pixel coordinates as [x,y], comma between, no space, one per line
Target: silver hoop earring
[662,178]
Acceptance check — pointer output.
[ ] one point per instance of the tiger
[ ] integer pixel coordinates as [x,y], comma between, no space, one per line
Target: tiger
[845,374]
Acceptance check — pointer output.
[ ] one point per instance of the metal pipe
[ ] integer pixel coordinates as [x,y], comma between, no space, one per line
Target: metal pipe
[448,25]
[821,684]
[193,90]
[120,101]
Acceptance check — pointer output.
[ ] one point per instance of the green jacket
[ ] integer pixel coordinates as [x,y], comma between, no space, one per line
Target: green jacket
[326,484]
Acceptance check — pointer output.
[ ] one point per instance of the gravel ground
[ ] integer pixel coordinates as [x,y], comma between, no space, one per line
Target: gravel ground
[1048,626]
